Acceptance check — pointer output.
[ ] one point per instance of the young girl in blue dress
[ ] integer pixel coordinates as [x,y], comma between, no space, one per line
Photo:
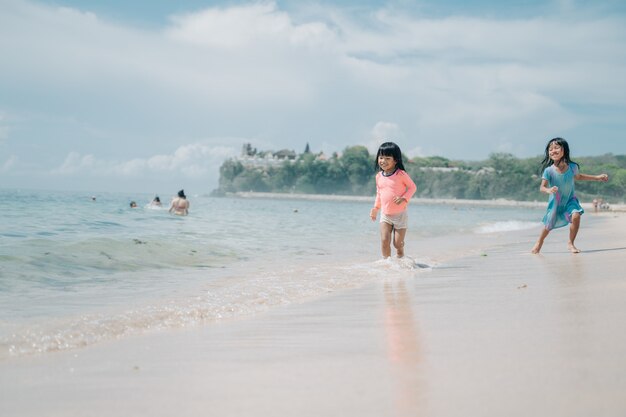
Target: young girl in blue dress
[557,180]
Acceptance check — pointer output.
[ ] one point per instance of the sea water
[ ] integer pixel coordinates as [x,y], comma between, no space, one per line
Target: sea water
[77,269]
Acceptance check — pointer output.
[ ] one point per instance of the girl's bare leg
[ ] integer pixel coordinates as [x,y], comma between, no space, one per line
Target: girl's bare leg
[385,239]
[539,244]
[573,231]
[398,241]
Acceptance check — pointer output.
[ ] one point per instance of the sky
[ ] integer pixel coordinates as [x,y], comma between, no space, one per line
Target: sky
[152,96]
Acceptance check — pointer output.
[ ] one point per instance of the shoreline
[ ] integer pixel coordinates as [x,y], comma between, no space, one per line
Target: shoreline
[528,325]
[425,201]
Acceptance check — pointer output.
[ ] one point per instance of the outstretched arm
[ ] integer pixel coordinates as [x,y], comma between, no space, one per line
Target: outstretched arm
[585,177]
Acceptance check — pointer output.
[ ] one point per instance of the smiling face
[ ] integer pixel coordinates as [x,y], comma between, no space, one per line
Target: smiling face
[556,152]
[386,163]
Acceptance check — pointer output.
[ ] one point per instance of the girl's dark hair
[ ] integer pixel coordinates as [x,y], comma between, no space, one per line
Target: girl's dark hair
[181,194]
[563,144]
[390,149]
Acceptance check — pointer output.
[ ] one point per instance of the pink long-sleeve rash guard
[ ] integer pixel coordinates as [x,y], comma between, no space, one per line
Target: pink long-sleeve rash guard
[399,184]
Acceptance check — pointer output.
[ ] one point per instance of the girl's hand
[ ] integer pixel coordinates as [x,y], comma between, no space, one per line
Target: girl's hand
[373,213]
[398,200]
[603,177]
[553,190]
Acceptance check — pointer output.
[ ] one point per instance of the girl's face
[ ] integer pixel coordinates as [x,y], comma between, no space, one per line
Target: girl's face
[555,151]
[386,163]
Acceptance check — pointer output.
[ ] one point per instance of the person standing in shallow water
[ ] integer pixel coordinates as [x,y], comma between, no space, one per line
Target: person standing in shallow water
[156,201]
[180,204]
[557,180]
[394,189]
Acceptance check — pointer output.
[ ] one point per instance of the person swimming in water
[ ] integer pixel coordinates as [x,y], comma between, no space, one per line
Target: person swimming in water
[180,204]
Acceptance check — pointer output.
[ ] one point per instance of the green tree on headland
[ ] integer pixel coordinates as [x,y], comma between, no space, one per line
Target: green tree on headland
[352,173]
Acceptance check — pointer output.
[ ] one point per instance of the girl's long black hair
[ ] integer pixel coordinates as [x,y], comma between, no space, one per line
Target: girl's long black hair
[390,149]
[546,159]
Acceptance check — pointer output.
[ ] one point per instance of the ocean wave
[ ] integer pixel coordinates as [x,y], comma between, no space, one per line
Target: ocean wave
[226,298]
[505,226]
[103,271]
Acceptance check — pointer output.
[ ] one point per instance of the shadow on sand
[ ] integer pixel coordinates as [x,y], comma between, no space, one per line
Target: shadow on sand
[603,250]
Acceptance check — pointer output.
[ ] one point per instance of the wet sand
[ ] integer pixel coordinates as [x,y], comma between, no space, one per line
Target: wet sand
[496,332]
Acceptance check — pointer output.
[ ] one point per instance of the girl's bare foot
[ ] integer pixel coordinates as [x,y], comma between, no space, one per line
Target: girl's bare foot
[536,248]
[573,248]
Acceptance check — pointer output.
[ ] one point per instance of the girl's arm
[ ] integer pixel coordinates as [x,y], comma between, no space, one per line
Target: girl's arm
[377,203]
[373,213]
[585,177]
[545,189]
[374,210]
[410,189]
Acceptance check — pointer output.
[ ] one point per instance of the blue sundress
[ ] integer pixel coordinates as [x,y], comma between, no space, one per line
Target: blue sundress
[563,203]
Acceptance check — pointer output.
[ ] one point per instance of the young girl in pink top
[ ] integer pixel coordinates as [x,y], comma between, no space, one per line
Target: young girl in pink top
[394,189]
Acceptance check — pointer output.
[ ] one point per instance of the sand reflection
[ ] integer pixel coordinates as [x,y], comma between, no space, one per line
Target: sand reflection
[572,279]
[404,352]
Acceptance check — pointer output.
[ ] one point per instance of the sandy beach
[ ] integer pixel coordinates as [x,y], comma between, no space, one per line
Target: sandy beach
[494,332]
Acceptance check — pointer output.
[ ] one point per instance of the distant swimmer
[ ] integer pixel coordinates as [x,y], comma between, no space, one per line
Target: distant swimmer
[156,201]
[180,204]
[133,204]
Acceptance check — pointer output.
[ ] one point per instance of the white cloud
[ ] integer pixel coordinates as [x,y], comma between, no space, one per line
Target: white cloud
[256,52]
[246,26]
[75,163]
[460,87]
[191,161]
[391,132]
[384,132]
[551,57]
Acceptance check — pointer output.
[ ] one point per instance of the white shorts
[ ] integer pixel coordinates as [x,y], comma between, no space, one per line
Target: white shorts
[398,221]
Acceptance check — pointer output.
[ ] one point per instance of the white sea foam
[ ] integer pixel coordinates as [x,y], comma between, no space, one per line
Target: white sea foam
[151,206]
[506,226]
[254,290]
[227,298]
[406,263]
